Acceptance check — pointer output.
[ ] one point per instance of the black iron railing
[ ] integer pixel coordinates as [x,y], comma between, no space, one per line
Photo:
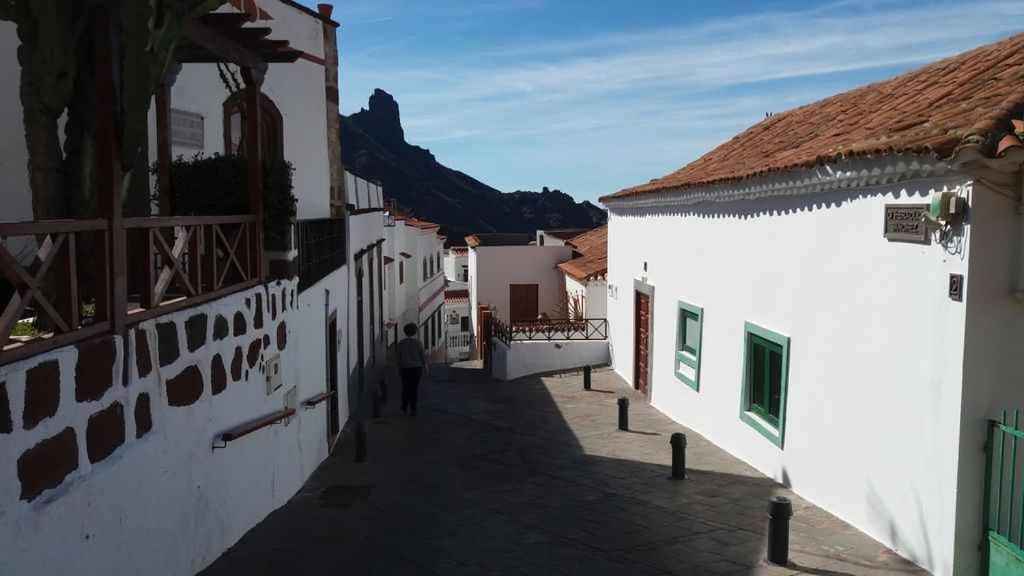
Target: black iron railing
[321,244]
[548,330]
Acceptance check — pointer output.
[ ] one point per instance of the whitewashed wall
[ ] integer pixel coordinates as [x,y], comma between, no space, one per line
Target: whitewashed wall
[364,230]
[454,263]
[993,364]
[164,503]
[493,268]
[297,89]
[526,358]
[15,195]
[594,294]
[876,367]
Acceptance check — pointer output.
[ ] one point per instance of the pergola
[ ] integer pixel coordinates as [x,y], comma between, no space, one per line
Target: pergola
[205,257]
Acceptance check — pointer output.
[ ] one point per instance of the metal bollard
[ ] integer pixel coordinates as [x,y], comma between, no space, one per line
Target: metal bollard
[586,377]
[623,413]
[360,433]
[678,442]
[780,510]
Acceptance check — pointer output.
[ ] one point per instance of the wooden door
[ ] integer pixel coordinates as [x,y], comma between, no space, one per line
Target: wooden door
[333,421]
[522,302]
[641,343]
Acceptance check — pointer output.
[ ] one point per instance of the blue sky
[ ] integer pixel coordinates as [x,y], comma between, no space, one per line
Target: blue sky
[590,96]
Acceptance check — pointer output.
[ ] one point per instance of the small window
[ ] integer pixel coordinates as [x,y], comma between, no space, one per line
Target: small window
[765,376]
[401,272]
[465,274]
[465,324]
[424,268]
[689,324]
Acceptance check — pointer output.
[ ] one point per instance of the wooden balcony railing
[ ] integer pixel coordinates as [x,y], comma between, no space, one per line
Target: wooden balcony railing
[57,282]
[184,260]
[54,275]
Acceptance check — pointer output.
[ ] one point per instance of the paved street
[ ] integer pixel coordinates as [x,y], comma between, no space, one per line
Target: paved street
[532,477]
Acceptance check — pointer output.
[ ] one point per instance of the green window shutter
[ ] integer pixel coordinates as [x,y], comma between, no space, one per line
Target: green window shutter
[686,361]
[765,379]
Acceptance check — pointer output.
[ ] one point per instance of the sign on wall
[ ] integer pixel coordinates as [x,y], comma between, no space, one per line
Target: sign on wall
[956,287]
[186,129]
[906,223]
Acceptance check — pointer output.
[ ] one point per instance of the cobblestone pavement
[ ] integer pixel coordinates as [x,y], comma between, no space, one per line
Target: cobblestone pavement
[532,477]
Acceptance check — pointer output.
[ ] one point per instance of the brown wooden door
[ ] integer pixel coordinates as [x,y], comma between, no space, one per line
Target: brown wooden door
[641,343]
[522,302]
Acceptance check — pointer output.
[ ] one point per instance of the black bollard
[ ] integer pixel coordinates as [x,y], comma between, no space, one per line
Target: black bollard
[780,510]
[383,392]
[623,413]
[376,405]
[360,433]
[586,377]
[678,442]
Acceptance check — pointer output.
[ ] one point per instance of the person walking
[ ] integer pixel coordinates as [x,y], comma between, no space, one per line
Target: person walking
[412,363]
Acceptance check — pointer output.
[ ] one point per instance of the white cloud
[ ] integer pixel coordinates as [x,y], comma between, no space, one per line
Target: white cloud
[644,89]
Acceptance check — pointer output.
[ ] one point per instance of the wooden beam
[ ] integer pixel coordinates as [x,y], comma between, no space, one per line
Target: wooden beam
[253,78]
[163,146]
[218,43]
[108,176]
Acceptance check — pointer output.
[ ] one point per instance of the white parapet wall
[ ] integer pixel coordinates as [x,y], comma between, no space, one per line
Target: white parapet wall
[107,459]
[537,357]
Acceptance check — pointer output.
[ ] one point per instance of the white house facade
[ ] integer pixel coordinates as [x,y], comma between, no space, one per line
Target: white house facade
[783,297]
[151,439]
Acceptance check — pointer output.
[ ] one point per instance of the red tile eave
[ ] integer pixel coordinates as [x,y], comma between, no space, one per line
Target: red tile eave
[975,98]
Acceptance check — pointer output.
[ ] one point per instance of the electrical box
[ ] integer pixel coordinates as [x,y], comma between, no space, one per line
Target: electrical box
[274,381]
[946,207]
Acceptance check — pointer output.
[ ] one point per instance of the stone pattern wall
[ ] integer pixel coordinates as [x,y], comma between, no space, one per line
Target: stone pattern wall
[67,411]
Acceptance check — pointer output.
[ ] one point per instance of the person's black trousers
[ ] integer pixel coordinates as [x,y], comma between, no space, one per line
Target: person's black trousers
[410,387]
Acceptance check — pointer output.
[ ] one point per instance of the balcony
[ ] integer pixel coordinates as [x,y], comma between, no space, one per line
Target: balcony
[59,284]
[541,346]
[322,249]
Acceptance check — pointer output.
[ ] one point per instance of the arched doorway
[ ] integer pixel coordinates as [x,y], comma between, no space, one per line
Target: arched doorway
[271,128]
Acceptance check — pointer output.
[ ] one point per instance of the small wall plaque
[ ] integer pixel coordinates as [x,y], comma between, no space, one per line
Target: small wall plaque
[956,287]
[186,129]
[905,223]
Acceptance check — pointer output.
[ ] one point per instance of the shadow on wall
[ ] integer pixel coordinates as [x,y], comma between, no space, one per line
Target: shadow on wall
[879,510]
[491,478]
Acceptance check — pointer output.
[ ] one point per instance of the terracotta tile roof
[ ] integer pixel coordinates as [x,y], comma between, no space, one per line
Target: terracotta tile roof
[593,261]
[594,241]
[459,250]
[456,296]
[970,98]
[566,233]
[498,239]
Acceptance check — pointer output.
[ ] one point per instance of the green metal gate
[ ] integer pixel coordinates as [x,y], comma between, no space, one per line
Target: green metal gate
[1003,507]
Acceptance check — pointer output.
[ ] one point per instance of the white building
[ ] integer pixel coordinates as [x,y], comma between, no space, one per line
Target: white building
[458,324]
[456,267]
[859,367]
[558,237]
[516,280]
[586,288]
[208,384]
[415,277]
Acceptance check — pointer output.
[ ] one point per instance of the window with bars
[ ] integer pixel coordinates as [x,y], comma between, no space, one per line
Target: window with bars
[765,377]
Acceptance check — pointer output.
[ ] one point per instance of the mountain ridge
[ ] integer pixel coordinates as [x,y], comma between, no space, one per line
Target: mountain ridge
[374,146]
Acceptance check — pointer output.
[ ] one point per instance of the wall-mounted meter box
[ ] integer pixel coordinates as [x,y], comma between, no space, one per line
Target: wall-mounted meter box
[946,207]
